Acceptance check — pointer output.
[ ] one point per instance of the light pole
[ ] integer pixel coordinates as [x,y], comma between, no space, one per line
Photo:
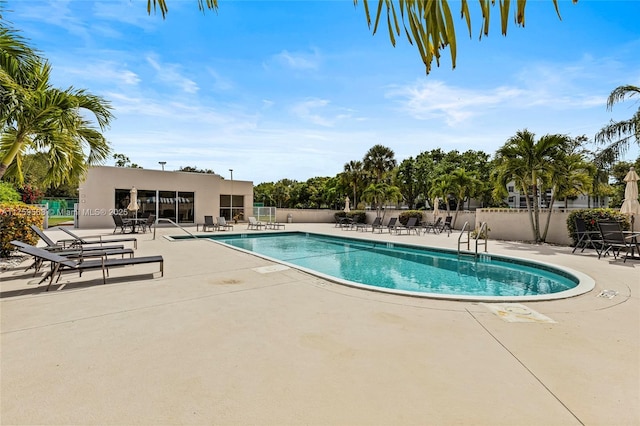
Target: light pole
[162,163]
[231,198]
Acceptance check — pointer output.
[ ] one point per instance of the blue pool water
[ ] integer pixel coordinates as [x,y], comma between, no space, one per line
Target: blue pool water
[406,268]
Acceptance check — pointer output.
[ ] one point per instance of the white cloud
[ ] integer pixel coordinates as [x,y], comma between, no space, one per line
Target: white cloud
[220,83]
[298,60]
[434,99]
[108,72]
[169,73]
[306,111]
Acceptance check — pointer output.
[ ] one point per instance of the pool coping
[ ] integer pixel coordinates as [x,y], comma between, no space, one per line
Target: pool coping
[585,282]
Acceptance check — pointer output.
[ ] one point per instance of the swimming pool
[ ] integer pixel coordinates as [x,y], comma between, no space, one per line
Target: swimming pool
[413,270]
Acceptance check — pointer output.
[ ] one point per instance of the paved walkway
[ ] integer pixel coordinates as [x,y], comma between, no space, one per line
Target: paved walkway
[216,342]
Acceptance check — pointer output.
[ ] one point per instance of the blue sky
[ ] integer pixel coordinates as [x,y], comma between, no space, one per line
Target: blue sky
[296,89]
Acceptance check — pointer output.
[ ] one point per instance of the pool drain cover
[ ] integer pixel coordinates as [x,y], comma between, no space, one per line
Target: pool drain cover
[515,312]
[270,269]
[608,294]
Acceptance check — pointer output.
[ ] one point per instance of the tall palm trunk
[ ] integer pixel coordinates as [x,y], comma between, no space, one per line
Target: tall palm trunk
[546,227]
[529,209]
[10,155]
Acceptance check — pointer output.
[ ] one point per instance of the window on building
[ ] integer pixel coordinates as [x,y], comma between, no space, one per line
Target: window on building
[226,206]
[186,207]
[177,206]
[146,203]
[510,188]
[512,199]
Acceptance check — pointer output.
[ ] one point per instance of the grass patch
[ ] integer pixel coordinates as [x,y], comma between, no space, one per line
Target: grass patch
[57,220]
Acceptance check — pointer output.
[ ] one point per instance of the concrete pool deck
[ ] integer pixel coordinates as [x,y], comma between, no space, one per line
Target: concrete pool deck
[219,341]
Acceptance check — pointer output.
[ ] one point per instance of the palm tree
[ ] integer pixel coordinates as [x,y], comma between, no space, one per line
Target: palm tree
[463,184]
[527,162]
[378,162]
[428,24]
[380,193]
[618,135]
[352,175]
[36,116]
[570,175]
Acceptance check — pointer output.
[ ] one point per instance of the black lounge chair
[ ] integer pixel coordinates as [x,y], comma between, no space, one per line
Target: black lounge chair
[78,252]
[121,223]
[59,263]
[364,227]
[433,226]
[77,240]
[346,223]
[208,223]
[55,246]
[614,240]
[587,239]
[391,225]
[411,226]
[446,225]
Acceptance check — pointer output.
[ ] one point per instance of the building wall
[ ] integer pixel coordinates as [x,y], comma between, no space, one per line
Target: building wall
[504,224]
[97,192]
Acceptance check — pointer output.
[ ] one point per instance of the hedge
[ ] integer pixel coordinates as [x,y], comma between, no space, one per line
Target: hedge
[405,215]
[591,218]
[15,222]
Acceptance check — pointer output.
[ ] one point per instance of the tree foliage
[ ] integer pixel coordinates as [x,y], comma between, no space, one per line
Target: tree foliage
[428,25]
[34,116]
[618,135]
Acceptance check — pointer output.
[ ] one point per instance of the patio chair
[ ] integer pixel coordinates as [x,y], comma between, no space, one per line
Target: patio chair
[377,224]
[59,263]
[151,221]
[586,239]
[364,227]
[208,223]
[274,225]
[411,226]
[223,225]
[346,223]
[433,226]
[446,225]
[60,245]
[77,240]
[391,225]
[255,224]
[615,240]
[121,223]
[76,252]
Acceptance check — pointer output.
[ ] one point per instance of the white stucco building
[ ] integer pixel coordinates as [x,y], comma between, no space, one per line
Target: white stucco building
[183,197]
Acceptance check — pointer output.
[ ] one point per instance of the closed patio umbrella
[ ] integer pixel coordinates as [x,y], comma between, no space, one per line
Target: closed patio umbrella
[631,205]
[133,200]
[346,205]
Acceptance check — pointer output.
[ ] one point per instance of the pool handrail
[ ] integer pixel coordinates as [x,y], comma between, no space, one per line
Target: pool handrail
[170,221]
[481,234]
[465,227]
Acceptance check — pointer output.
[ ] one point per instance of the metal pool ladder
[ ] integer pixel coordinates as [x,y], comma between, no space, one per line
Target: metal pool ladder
[173,223]
[482,234]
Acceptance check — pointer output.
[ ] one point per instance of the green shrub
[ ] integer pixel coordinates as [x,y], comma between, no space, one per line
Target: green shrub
[15,221]
[591,218]
[405,215]
[8,193]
